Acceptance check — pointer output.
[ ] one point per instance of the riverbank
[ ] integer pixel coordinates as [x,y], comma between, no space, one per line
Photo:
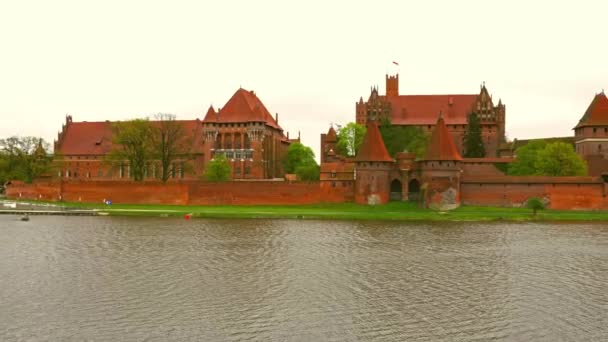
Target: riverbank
[346,211]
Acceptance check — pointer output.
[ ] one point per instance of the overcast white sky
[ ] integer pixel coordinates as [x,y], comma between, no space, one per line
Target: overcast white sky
[307,60]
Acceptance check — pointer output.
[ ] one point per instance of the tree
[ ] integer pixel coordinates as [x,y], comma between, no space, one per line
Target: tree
[350,138]
[131,142]
[168,142]
[404,139]
[473,143]
[526,156]
[301,161]
[23,158]
[538,158]
[535,204]
[218,169]
[308,172]
[298,155]
[559,159]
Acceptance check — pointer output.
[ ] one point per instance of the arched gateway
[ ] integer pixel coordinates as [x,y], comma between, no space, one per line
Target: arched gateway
[413,190]
[396,190]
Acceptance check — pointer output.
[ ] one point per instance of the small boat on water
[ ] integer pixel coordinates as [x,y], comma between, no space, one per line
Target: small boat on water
[25,217]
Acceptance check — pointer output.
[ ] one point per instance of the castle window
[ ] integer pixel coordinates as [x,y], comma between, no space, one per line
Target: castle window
[599,147]
[333,174]
[594,129]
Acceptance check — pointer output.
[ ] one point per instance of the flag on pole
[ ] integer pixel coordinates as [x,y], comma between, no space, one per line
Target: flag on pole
[395,63]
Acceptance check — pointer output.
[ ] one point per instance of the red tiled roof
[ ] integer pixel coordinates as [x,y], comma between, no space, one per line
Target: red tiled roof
[245,106]
[422,109]
[211,115]
[372,148]
[597,113]
[331,135]
[441,146]
[95,138]
[86,138]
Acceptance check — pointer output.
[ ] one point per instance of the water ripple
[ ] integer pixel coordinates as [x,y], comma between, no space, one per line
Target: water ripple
[128,279]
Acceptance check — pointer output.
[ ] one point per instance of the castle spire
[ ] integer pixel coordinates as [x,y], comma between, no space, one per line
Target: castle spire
[441,145]
[372,148]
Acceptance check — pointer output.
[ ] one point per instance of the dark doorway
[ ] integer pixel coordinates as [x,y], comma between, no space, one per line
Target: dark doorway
[413,190]
[396,190]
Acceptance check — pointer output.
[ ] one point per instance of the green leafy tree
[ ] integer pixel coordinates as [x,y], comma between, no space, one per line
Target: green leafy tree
[350,138]
[218,169]
[559,159]
[404,139]
[524,163]
[23,158]
[539,158]
[297,155]
[131,143]
[473,143]
[301,161]
[168,142]
[308,172]
[535,204]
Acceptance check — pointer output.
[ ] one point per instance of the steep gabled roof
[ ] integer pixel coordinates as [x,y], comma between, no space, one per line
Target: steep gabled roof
[597,113]
[422,109]
[95,138]
[441,146]
[372,148]
[86,138]
[244,106]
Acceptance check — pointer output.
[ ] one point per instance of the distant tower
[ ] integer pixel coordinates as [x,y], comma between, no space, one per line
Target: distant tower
[591,135]
[392,85]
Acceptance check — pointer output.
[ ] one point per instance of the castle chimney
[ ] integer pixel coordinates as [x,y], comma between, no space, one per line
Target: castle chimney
[276,117]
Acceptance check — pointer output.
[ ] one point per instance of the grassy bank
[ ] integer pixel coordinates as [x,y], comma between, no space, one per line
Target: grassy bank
[345,211]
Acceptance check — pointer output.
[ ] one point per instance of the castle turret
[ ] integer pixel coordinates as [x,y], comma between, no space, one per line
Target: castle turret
[591,135]
[372,168]
[328,145]
[441,170]
[392,85]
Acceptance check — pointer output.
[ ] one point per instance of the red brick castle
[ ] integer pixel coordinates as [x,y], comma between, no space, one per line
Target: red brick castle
[243,130]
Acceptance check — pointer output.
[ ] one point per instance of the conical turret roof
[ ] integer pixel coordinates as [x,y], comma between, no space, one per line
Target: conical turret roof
[211,115]
[441,146]
[597,113]
[331,135]
[372,148]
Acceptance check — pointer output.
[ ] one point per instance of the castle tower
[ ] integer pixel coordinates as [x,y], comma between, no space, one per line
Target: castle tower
[372,167]
[392,85]
[328,145]
[441,170]
[591,135]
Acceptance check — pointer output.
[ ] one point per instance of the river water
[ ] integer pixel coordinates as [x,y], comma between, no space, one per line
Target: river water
[165,279]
